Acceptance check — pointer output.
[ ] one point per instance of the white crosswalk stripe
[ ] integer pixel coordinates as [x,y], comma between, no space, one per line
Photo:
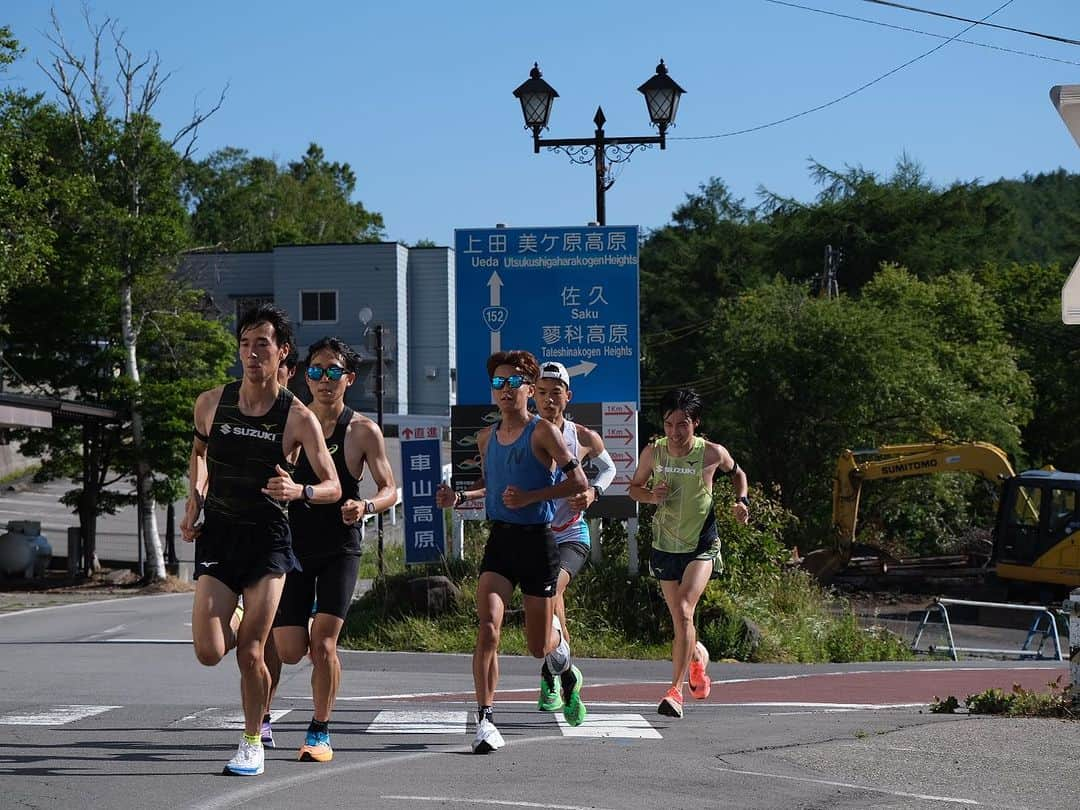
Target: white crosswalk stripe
[221,718]
[54,715]
[621,726]
[386,722]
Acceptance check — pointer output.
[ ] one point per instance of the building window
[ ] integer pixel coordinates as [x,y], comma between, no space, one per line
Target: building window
[318,306]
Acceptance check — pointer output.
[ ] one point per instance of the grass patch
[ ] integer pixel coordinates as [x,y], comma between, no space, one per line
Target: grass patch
[758,610]
[1057,701]
[17,475]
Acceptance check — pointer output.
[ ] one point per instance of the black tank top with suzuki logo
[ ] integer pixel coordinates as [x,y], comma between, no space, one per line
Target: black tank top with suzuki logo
[318,528]
[240,459]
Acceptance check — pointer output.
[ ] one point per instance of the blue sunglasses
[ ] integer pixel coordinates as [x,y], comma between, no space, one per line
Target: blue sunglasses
[333,373]
[515,380]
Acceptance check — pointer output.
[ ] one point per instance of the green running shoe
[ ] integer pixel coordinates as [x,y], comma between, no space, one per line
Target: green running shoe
[574,710]
[550,699]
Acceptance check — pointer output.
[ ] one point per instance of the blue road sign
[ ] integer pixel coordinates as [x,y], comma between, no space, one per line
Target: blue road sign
[564,294]
[421,467]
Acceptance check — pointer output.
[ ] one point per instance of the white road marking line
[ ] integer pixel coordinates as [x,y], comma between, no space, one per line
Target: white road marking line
[492,802]
[214,717]
[55,715]
[107,632]
[621,726]
[146,640]
[903,671]
[257,789]
[388,722]
[830,783]
[12,613]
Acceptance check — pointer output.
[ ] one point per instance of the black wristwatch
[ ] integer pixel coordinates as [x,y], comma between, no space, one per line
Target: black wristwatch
[309,493]
[744,500]
[369,507]
[599,490]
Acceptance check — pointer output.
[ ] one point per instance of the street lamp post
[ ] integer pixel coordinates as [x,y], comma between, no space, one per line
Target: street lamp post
[661,97]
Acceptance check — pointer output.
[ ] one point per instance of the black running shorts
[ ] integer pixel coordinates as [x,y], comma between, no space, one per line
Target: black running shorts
[241,555]
[668,566]
[327,581]
[524,553]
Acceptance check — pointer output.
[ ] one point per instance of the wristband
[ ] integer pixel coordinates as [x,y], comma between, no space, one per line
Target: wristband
[744,500]
[459,496]
[570,466]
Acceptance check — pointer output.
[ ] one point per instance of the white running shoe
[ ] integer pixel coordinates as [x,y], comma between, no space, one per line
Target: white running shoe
[248,760]
[488,738]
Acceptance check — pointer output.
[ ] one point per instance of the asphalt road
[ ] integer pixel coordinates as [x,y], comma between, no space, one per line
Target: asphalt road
[103,705]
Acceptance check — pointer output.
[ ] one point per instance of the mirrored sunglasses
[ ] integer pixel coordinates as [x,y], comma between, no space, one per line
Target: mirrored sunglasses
[334,373]
[515,380]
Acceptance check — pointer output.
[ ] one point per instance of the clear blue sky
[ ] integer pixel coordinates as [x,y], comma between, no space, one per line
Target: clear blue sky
[416,96]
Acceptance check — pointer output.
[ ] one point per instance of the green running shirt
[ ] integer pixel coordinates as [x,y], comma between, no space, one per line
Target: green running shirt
[681,519]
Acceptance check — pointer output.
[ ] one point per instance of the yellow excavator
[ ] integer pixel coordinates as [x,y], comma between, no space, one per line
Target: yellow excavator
[1037,533]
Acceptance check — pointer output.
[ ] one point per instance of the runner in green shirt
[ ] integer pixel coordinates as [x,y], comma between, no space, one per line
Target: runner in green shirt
[676,473]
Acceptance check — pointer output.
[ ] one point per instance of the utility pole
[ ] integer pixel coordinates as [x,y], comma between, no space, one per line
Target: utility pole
[829,286]
[379,419]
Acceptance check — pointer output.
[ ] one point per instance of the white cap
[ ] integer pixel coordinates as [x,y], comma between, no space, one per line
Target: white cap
[555,371]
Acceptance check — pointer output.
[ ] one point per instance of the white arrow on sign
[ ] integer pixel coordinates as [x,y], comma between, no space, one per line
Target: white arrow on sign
[584,368]
[494,300]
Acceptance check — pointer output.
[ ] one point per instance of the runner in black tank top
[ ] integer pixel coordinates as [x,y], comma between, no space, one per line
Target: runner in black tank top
[320,530]
[327,538]
[239,484]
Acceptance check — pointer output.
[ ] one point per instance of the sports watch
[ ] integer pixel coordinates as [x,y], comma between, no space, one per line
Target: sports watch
[309,492]
[369,507]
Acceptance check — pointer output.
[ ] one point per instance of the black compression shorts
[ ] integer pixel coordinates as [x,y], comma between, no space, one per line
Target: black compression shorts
[327,581]
[573,556]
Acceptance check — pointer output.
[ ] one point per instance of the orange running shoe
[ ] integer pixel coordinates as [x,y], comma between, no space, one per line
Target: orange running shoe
[700,684]
[671,705]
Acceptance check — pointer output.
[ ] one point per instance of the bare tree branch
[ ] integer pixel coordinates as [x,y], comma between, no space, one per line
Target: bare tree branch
[192,127]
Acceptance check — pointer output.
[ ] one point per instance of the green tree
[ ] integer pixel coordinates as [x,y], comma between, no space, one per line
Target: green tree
[1029,296]
[118,211]
[791,379]
[241,202]
[25,236]
[903,219]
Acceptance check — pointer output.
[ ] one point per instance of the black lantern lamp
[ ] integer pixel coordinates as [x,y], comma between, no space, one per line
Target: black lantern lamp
[662,96]
[536,97]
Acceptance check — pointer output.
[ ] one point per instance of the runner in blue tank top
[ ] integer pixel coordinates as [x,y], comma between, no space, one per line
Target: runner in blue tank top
[246,432]
[520,454]
[552,395]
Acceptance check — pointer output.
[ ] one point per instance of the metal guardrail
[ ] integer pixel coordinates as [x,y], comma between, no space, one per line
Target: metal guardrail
[1036,629]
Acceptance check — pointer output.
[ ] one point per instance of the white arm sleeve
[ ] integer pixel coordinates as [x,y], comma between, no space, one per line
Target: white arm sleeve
[606,467]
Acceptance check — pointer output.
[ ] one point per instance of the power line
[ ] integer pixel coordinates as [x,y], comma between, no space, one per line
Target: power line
[924,33]
[981,22]
[844,97]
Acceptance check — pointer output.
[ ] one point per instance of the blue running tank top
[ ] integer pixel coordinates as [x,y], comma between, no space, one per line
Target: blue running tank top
[569,526]
[515,464]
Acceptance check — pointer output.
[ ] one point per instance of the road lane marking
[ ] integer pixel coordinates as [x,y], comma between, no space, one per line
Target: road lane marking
[101,636]
[621,726]
[493,802]
[214,717]
[55,715]
[830,783]
[390,722]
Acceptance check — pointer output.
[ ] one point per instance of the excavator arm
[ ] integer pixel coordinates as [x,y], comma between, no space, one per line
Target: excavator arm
[889,462]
